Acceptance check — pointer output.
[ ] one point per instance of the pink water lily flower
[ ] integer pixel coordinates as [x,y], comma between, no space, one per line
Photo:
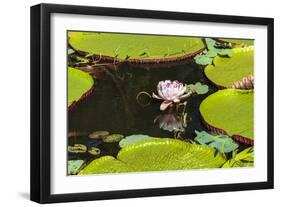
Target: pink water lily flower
[170,92]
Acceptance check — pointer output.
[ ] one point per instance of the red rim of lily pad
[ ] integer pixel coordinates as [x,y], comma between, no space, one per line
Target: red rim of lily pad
[74,104]
[237,138]
[109,59]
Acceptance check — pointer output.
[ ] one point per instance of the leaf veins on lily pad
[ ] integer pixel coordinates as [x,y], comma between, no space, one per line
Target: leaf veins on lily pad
[157,154]
[244,158]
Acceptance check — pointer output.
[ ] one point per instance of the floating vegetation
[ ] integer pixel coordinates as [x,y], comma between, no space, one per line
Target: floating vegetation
[98,134]
[230,112]
[94,151]
[198,88]
[79,84]
[73,166]
[238,42]
[157,154]
[135,48]
[133,139]
[156,102]
[241,159]
[222,143]
[225,72]
[77,148]
[113,138]
[214,49]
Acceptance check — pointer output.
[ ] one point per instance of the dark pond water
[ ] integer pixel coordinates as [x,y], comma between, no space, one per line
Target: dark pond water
[113,105]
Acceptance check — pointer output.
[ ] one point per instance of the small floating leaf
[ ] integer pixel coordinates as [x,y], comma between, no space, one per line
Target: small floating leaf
[113,138]
[210,54]
[98,134]
[222,143]
[226,52]
[70,51]
[214,49]
[133,139]
[210,43]
[203,60]
[94,151]
[77,148]
[197,88]
[73,166]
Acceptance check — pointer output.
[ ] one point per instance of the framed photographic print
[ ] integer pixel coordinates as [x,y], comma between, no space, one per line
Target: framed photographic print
[132,103]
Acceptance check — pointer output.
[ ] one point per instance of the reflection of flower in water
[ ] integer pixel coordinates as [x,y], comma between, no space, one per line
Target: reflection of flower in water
[170,122]
[170,92]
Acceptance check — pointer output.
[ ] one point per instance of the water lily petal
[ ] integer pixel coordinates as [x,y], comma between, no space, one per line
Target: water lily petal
[165,104]
[157,97]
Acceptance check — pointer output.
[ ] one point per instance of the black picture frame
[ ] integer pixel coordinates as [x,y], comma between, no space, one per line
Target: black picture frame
[41,96]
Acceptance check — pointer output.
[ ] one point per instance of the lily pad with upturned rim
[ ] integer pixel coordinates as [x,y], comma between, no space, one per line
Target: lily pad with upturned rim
[225,71]
[134,47]
[79,83]
[232,111]
[157,154]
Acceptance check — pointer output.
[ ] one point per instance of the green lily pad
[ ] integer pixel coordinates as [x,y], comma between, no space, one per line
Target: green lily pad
[214,49]
[134,46]
[241,159]
[132,139]
[98,134]
[113,138]
[79,83]
[73,166]
[225,71]
[94,151]
[197,88]
[77,148]
[222,143]
[231,110]
[243,42]
[157,154]
[203,59]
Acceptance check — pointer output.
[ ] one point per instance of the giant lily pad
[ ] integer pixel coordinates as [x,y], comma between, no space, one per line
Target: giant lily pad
[226,71]
[231,111]
[134,46]
[79,83]
[157,154]
[240,42]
